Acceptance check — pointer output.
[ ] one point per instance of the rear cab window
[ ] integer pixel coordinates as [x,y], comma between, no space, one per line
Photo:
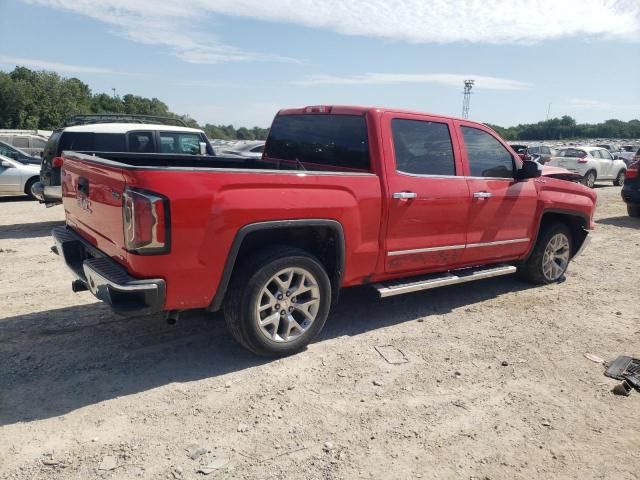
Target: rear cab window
[332,142]
[422,147]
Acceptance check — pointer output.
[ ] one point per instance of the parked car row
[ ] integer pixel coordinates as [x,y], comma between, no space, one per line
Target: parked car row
[30,141]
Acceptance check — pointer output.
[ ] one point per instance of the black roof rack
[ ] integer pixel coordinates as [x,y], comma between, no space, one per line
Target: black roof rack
[121,118]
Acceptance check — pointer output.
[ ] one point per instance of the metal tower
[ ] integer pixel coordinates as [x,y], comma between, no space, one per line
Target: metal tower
[468,85]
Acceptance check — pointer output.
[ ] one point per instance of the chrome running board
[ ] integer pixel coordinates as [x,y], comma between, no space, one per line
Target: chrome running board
[415,284]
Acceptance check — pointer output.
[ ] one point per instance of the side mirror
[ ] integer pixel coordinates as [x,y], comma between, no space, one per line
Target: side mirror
[5,164]
[529,169]
[203,148]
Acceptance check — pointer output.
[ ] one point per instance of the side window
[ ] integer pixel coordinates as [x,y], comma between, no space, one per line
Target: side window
[487,157]
[141,142]
[595,154]
[606,155]
[174,142]
[21,142]
[38,142]
[422,148]
[109,142]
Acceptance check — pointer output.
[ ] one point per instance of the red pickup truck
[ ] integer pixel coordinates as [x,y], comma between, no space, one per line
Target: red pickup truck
[342,196]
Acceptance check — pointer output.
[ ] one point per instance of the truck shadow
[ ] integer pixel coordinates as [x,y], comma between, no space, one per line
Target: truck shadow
[28,230]
[15,198]
[624,221]
[57,361]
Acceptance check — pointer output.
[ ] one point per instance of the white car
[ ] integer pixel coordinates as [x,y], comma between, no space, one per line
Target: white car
[248,150]
[17,178]
[592,163]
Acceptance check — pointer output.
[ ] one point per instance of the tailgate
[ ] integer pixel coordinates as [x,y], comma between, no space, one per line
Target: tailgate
[92,198]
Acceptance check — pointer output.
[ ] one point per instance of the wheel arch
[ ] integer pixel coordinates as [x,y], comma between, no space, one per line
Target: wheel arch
[576,221]
[323,238]
[33,178]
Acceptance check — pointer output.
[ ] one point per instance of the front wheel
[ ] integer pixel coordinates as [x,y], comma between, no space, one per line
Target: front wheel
[28,189]
[550,257]
[619,181]
[589,180]
[278,301]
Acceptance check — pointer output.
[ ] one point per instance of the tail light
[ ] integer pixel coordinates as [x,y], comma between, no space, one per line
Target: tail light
[146,220]
[57,162]
[318,109]
[632,170]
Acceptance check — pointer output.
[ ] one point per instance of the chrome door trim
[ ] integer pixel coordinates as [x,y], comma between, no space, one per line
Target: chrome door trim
[395,253]
[498,242]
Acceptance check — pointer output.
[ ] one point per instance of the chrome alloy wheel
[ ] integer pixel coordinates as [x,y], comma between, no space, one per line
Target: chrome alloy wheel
[556,257]
[288,304]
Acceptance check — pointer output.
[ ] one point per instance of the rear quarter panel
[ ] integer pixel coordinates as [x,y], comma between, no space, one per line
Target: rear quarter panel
[209,207]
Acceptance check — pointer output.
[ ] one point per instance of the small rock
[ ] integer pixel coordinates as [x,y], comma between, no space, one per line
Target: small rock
[505,363]
[291,387]
[50,462]
[545,423]
[243,427]
[420,320]
[618,313]
[109,462]
[378,383]
[227,385]
[328,446]
[457,374]
[197,452]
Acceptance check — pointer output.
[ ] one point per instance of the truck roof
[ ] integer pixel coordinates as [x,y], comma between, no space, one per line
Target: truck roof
[359,110]
[128,127]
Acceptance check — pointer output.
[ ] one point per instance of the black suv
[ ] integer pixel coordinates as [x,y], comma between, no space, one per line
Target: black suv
[110,133]
[631,188]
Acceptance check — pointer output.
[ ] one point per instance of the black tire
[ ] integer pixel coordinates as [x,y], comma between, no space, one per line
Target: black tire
[619,181]
[29,186]
[533,269]
[589,179]
[247,284]
[633,210]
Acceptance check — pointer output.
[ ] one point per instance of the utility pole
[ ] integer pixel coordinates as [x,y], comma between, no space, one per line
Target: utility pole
[548,111]
[114,92]
[468,85]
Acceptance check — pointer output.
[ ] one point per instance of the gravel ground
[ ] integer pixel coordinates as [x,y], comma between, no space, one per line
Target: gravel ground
[494,382]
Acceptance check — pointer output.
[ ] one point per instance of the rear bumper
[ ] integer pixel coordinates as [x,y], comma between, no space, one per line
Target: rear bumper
[47,193]
[107,279]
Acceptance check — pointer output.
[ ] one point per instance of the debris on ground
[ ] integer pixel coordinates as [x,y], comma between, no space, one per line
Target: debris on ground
[109,462]
[593,358]
[392,354]
[626,369]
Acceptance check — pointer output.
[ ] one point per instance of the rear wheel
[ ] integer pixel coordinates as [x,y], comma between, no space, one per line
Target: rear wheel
[278,301]
[633,210]
[550,257]
[589,179]
[619,181]
[28,188]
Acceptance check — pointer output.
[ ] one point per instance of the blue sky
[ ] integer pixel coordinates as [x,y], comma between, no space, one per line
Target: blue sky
[239,61]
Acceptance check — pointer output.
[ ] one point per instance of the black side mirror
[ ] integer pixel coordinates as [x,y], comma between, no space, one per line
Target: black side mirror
[530,169]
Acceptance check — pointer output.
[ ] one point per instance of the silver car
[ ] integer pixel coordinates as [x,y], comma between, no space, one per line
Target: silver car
[17,178]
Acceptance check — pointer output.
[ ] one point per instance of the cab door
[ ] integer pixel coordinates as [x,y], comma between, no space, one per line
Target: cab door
[429,199]
[502,210]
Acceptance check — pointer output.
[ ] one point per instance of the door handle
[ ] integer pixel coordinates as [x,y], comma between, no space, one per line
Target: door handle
[405,195]
[482,195]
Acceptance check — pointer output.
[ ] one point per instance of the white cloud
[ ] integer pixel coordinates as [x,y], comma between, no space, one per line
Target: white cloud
[58,67]
[181,25]
[449,79]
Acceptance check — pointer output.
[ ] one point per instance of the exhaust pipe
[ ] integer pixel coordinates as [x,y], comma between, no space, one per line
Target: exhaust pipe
[79,286]
[173,316]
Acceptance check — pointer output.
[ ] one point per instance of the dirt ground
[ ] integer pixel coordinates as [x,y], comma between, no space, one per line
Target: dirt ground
[495,383]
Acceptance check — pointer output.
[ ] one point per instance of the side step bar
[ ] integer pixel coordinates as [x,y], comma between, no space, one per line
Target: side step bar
[398,287]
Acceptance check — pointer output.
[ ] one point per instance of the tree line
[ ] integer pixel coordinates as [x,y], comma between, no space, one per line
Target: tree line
[567,128]
[40,99]
[44,100]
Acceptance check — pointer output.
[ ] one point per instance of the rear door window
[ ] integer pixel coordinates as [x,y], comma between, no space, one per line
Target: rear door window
[422,147]
[141,142]
[486,155]
[320,142]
